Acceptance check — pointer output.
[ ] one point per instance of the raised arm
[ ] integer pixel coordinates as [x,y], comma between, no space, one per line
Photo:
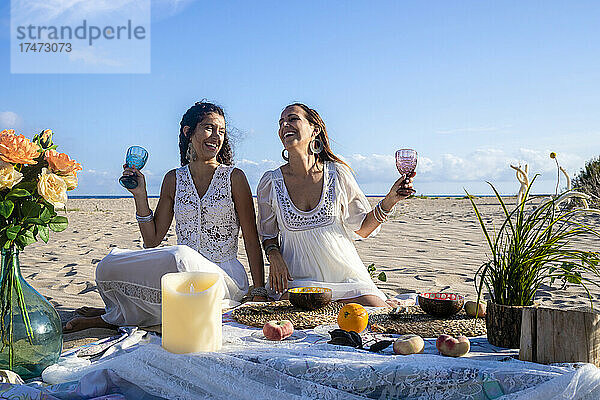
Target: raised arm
[400,190]
[244,206]
[154,230]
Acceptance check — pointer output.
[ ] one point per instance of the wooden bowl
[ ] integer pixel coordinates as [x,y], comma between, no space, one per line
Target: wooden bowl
[441,304]
[310,298]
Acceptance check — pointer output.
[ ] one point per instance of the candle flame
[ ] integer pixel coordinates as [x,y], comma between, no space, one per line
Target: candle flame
[191,288]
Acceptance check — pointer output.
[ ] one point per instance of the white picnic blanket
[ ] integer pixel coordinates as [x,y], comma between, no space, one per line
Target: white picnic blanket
[248,368]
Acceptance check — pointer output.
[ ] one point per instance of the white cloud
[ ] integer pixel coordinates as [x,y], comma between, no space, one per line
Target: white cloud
[479,165]
[9,120]
[254,170]
[71,10]
[447,173]
[162,9]
[96,182]
[106,182]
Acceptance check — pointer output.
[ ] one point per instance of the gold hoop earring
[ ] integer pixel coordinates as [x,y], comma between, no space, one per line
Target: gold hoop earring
[285,156]
[190,155]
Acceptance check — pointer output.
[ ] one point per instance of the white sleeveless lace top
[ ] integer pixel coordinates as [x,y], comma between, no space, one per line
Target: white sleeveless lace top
[209,224]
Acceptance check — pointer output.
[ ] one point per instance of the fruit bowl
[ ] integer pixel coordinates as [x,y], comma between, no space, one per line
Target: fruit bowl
[310,298]
[441,304]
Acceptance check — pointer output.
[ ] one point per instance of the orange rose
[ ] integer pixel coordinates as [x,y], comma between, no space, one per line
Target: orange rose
[18,149]
[8,132]
[60,163]
[52,188]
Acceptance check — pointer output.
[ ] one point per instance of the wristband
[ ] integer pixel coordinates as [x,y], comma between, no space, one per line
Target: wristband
[270,247]
[144,219]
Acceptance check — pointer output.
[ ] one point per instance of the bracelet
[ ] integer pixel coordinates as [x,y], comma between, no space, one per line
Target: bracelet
[376,215]
[147,218]
[271,247]
[385,213]
[380,215]
[259,292]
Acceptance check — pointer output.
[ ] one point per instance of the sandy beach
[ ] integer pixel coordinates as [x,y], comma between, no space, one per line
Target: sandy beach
[430,244]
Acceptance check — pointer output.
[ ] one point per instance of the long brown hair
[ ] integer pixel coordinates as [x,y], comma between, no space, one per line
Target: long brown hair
[315,119]
[191,118]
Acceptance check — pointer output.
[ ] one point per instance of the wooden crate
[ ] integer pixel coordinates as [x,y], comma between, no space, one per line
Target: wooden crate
[554,336]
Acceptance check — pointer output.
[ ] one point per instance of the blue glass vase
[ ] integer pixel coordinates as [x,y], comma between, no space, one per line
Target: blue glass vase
[31,330]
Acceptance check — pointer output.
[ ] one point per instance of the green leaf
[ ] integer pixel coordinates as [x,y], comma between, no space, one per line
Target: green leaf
[37,221]
[58,223]
[382,277]
[30,209]
[27,185]
[26,238]
[49,206]
[44,233]
[12,232]
[46,214]
[17,192]
[6,208]
[575,278]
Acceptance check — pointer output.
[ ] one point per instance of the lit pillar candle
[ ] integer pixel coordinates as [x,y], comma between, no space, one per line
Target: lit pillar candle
[191,311]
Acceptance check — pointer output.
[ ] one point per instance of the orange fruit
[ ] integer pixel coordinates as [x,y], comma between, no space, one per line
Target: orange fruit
[353,317]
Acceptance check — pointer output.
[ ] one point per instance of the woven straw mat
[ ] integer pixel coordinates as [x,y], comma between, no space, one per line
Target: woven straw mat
[412,320]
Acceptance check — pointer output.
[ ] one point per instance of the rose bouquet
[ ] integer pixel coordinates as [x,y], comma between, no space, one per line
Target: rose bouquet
[34,180]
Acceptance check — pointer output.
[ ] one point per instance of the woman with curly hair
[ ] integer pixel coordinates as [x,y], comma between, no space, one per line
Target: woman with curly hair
[210,200]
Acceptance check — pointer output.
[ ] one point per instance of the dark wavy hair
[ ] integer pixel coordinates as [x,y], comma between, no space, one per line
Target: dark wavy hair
[315,119]
[192,118]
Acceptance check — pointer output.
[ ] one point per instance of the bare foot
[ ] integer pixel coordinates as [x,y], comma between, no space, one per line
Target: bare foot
[90,311]
[81,323]
[392,303]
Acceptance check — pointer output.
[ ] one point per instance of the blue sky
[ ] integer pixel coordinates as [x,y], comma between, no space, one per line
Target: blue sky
[473,86]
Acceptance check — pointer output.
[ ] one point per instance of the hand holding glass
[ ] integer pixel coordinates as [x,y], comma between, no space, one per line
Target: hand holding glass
[136,157]
[406,162]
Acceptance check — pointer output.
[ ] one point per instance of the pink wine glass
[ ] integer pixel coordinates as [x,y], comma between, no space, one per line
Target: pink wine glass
[406,161]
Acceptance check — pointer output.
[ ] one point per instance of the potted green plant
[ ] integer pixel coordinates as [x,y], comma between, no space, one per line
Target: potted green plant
[532,246]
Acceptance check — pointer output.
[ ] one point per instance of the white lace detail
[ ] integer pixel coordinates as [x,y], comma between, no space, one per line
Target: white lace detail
[245,369]
[322,215]
[209,225]
[130,289]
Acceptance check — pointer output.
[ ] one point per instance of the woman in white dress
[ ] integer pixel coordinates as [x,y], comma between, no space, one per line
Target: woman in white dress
[210,200]
[311,208]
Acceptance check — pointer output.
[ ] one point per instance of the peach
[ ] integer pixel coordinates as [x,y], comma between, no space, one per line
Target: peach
[278,330]
[472,309]
[409,344]
[453,346]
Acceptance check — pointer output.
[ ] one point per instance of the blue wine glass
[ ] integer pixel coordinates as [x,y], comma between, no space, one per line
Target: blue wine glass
[136,157]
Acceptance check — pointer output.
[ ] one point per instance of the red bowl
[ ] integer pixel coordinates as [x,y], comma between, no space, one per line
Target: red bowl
[441,304]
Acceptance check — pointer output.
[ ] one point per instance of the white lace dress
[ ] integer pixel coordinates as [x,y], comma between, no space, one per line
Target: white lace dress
[317,245]
[207,240]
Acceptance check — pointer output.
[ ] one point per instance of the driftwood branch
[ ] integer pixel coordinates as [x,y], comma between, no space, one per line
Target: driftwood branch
[523,178]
